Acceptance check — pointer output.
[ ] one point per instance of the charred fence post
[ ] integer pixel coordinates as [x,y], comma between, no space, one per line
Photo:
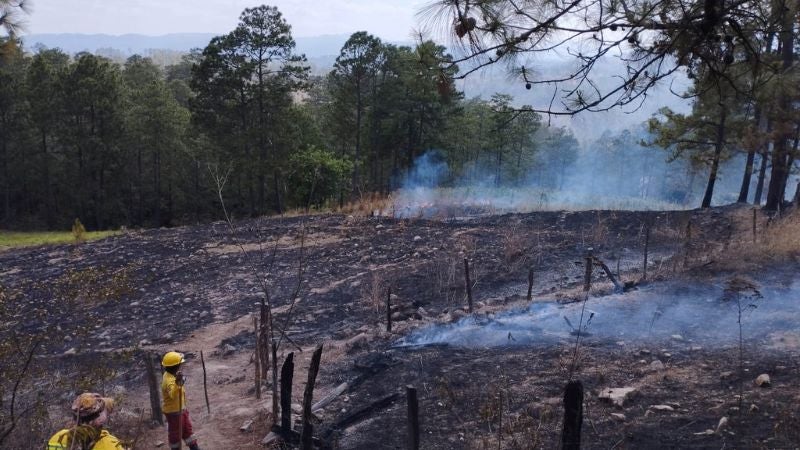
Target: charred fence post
[468,283]
[530,284]
[646,249]
[587,278]
[287,374]
[205,382]
[688,243]
[413,418]
[307,435]
[573,416]
[152,381]
[389,309]
[257,358]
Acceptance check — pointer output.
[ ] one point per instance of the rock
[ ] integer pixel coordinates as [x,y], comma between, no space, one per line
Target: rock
[617,396]
[297,408]
[72,351]
[247,426]
[378,226]
[725,375]
[644,352]
[695,348]
[159,444]
[677,337]
[228,349]
[662,408]
[619,417]
[763,380]
[187,300]
[753,408]
[417,238]
[657,365]
[722,424]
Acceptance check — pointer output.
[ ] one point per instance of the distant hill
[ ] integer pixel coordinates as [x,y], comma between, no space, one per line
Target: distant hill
[130,44]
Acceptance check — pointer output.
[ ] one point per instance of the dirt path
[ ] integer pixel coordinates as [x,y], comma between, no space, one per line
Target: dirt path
[230,402]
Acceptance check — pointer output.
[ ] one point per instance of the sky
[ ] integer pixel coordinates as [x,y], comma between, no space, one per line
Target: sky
[388,19]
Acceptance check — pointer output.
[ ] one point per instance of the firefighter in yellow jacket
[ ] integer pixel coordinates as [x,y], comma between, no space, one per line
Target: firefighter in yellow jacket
[179,424]
[90,413]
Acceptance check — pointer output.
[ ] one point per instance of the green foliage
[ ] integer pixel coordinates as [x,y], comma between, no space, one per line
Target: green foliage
[317,176]
[16,239]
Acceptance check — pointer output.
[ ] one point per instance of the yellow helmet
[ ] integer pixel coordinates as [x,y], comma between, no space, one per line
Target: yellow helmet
[172,359]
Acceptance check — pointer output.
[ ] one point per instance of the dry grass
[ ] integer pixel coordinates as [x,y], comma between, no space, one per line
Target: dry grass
[776,243]
[370,204]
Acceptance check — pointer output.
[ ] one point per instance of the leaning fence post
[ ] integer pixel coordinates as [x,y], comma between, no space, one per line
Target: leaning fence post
[573,416]
[307,435]
[468,283]
[413,418]
[205,382]
[152,381]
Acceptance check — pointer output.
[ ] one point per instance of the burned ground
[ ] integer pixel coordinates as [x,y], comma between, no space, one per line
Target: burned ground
[165,289]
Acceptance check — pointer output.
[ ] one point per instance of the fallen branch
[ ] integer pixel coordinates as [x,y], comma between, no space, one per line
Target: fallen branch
[361,414]
[330,397]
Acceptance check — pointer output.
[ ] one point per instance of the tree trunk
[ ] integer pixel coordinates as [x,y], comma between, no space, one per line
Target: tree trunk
[780,169]
[744,191]
[762,174]
[718,146]
[357,156]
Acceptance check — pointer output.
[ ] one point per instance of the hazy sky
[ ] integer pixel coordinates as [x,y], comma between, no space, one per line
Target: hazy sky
[389,19]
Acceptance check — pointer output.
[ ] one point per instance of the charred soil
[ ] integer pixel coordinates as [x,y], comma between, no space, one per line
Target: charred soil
[194,288]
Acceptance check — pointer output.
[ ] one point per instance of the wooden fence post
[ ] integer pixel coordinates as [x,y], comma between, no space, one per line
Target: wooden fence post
[587,277]
[307,435]
[646,250]
[257,357]
[755,225]
[468,283]
[287,374]
[205,381]
[530,284]
[413,418]
[573,416]
[155,397]
[389,310]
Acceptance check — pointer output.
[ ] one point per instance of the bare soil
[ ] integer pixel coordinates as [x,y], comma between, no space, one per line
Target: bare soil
[195,288]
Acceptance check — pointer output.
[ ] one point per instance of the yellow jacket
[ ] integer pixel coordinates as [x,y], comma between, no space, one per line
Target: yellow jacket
[60,441]
[173,394]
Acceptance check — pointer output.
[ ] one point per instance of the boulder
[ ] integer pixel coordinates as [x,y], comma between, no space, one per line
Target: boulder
[763,380]
[617,396]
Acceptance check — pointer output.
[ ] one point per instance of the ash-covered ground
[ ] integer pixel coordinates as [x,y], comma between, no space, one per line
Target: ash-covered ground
[187,287]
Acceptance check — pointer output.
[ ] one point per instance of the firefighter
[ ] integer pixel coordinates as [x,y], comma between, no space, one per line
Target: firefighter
[179,424]
[90,413]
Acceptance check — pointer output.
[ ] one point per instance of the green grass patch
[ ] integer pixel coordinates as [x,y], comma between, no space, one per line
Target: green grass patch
[17,239]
